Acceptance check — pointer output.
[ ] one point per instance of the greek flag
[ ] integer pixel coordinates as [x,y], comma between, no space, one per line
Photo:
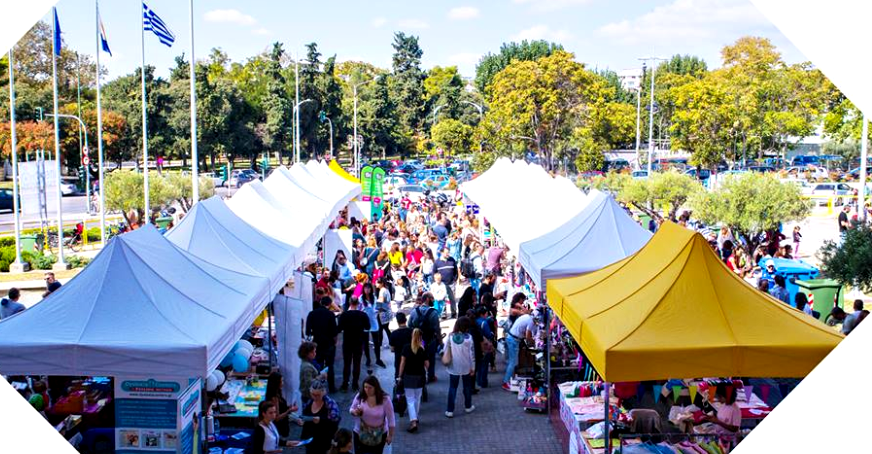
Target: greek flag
[151,22]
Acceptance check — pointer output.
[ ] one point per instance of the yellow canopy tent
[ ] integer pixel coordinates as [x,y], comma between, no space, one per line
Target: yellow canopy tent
[674,310]
[334,166]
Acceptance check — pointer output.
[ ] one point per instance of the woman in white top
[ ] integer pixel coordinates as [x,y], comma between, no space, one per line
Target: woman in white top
[459,354]
[266,438]
[427,265]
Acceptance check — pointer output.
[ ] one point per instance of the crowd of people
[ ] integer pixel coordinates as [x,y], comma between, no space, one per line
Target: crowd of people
[418,267]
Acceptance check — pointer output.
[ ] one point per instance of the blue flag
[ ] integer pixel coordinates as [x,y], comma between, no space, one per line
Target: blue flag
[57,33]
[153,23]
[104,42]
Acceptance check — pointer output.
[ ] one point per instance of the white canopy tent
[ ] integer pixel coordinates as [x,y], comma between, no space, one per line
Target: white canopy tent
[599,235]
[142,307]
[268,215]
[321,169]
[212,232]
[551,201]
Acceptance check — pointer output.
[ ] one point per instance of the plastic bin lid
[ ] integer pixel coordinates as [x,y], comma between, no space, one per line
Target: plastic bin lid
[818,283]
[787,266]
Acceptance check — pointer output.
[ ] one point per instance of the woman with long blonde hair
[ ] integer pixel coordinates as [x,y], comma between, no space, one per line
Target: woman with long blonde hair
[412,375]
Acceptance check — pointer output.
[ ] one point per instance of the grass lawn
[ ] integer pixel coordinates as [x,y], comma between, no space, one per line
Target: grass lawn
[36,275]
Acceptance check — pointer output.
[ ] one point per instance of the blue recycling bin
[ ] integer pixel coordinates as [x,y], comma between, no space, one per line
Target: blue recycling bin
[792,270]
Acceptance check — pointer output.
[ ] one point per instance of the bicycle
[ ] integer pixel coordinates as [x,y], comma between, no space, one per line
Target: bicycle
[74,241]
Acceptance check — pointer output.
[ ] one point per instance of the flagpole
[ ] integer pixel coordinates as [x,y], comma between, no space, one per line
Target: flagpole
[100,136]
[17,266]
[144,122]
[195,165]
[61,264]
[296,110]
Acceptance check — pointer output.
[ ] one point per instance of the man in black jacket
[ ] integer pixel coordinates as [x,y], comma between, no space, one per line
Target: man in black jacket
[354,323]
[425,318]
[321,325]
[447,267]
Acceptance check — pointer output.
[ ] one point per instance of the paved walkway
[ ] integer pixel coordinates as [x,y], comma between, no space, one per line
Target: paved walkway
[498,425]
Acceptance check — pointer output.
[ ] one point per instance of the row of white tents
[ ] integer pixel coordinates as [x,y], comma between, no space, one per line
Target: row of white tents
[175,305]
[552,227]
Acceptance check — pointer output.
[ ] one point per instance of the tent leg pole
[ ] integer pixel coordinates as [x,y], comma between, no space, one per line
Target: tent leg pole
[269,314]
[547,316]
[608,439]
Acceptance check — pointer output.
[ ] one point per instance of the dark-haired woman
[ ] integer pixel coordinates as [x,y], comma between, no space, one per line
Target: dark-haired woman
[274,385]
[460,350]
[374,418]
[343,442]
[266,438]
[729,417]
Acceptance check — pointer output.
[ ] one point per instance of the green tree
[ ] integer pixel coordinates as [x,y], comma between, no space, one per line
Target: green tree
[277,105]
[491,64]
[452,136]
[331,91]
[378,122]
[850,262]
[537,104]
[664,192]
[751,204]
[407,85]
[310,73]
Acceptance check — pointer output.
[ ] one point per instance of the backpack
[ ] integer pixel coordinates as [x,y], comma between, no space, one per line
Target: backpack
[421,320]
[467,269]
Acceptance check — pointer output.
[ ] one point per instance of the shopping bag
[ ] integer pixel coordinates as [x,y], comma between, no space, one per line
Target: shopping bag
[399,402]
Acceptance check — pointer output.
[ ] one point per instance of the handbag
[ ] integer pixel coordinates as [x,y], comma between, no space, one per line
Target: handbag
[371,436]
[399,402]
[446,355]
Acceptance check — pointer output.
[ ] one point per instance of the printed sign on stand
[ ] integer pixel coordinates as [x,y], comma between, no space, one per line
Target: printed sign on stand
[156,415]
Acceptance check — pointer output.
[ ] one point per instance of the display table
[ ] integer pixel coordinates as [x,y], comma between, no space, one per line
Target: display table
[93,414]
[245,398]
[579,413]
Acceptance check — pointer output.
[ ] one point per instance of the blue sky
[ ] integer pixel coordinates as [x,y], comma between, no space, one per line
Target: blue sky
[601,33]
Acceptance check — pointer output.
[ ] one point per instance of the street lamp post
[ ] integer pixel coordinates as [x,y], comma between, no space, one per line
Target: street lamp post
[651,112]
[85,152]
[639,121]
[480,119]
[436,113]
[355,141]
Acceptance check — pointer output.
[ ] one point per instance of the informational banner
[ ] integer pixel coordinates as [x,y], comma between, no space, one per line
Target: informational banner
[156,415]
[39,185]
[366,176]
[378,181]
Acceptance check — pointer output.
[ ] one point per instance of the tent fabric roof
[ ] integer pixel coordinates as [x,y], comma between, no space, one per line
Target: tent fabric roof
[143,306]
[674,310]
[601,234]
[556,200]
[334,166]
[212,232]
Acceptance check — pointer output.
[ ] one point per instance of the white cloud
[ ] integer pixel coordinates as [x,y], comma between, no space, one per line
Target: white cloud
[685,20]
[229,16]
[379,22]
[551,5]
[261,32]
[413,24]
[463,13]
[464,59]
[542,32]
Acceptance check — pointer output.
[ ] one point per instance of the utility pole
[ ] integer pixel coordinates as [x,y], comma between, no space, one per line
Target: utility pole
[651,112]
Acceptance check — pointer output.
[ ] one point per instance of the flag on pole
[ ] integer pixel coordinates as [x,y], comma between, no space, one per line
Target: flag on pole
[104,41]
[153,23]
[57,33]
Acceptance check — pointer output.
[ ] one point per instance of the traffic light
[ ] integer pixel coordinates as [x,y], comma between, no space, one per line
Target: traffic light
[82,177]
[322,116]
[224,172]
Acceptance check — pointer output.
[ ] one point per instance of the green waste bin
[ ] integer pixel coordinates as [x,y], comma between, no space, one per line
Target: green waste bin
[826,293]
[28,243]
[163,222]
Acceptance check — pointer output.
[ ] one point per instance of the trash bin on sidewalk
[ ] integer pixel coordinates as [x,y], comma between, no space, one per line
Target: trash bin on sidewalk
[826,294]
[792,270]
[29,242]
[163,222]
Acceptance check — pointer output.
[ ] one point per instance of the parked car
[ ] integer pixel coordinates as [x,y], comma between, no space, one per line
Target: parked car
[804,160]
[404,169]
[238,178]
[415,192]
[832,190]
[616,165]
[414,163]
[814,172]
[68,189]
[704,174]
[761,169]
[639,175]
[6,200]
[217,178]
[253,174]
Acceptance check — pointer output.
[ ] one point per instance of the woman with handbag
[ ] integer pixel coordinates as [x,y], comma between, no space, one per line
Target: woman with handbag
[459,358]
[413,375]
[374,418]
